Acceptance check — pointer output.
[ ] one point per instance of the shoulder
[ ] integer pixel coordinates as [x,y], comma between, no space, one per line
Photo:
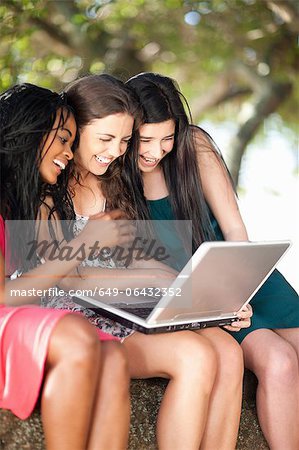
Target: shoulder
[203,142]
[205,148]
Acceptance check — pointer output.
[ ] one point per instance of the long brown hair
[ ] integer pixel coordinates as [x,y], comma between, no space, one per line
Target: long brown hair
[95,97]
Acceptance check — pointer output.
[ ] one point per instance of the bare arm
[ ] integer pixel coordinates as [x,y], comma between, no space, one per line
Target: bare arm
[218,190]
[31,285]
[95,278]
[59,267]
[222,201]
[144,263]
[92,278]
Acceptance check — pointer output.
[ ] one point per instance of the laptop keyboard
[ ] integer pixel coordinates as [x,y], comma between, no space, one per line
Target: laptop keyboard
[141,309]
[142,312]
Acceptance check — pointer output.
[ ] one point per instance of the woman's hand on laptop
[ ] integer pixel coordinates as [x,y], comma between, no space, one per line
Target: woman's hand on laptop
[244,319]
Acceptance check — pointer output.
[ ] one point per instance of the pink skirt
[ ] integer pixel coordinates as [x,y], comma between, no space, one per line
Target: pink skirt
[24,338]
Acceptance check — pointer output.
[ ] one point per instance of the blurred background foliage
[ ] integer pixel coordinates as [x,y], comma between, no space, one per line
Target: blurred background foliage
[235,59]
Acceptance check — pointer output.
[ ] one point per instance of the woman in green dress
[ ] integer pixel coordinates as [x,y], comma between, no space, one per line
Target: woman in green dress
[183,176]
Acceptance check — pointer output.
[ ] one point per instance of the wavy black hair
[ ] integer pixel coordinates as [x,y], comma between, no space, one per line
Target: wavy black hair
[162,100]
[27,116]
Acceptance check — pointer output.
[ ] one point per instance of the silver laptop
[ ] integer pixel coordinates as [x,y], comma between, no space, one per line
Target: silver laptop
[219,279]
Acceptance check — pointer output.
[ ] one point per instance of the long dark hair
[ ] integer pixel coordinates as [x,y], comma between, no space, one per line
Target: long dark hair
[27,116]
[161,100]
[95,97]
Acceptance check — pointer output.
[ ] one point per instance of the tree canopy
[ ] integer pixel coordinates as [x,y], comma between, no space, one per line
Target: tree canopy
[232,58]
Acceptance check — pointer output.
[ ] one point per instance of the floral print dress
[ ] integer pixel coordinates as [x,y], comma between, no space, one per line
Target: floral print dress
[67,302]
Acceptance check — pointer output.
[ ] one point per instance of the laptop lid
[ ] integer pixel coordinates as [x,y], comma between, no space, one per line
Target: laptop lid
[222,276]
[218,280]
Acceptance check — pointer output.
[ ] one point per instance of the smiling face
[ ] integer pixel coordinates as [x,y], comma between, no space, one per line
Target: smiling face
[102,142]
[57,149]
[156,141]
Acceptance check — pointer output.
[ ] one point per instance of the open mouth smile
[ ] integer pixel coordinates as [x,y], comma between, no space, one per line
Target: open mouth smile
[103,160]
[149,161]
[59,165]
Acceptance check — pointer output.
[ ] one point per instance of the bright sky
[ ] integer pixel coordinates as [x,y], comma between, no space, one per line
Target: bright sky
[269,189]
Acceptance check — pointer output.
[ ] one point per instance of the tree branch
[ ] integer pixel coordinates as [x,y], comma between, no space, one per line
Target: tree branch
[52,30]
[288,11]
[266,103]
[222,91]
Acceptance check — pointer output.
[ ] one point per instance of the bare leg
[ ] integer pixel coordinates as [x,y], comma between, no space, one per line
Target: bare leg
[275,363]
[70,384]
[110,426]
[291,335]
[189,361]
[225,406]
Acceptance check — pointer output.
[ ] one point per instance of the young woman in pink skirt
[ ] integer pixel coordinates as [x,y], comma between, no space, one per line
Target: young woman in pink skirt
[51,355]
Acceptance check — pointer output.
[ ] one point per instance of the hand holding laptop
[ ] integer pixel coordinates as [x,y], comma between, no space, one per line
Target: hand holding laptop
[244,316]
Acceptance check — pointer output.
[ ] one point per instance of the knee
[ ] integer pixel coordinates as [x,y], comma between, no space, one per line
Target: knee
[78,341]
[279,367]
[194,355]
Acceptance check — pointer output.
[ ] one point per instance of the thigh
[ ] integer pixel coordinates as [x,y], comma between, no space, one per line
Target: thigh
[220,339]
[72,337]
[29,339]
[159,355]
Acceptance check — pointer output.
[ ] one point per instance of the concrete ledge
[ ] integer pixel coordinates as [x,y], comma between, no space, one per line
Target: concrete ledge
[16,434]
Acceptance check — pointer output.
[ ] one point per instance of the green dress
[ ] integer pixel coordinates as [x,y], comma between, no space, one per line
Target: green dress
[276,303]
